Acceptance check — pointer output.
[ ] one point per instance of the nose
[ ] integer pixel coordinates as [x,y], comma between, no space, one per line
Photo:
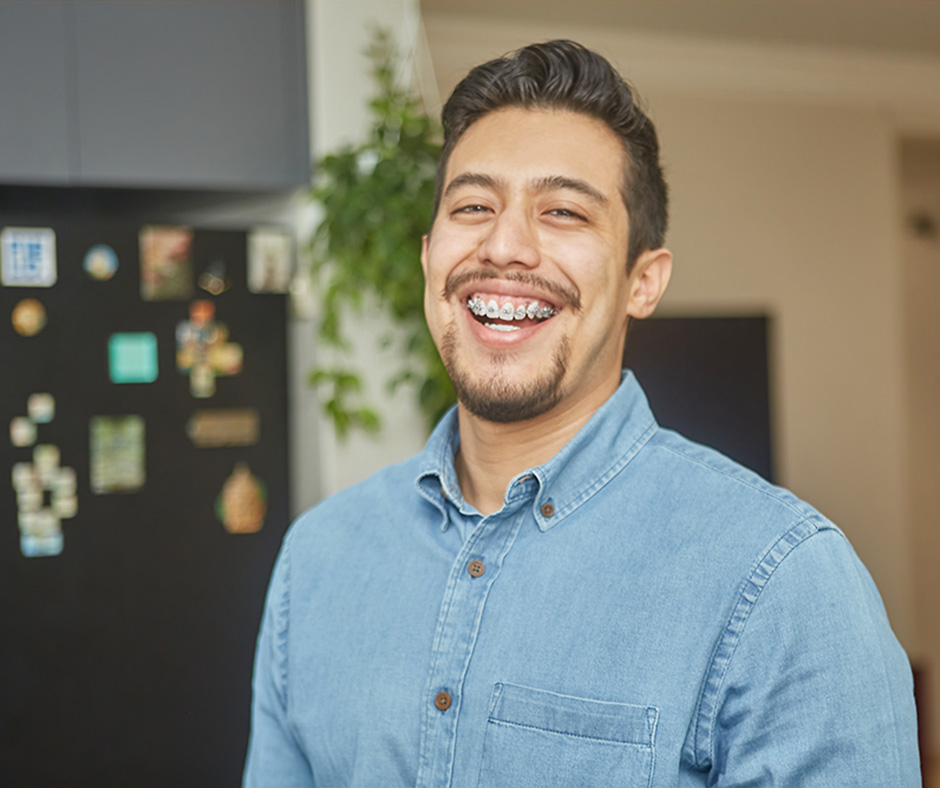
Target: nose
[511,240]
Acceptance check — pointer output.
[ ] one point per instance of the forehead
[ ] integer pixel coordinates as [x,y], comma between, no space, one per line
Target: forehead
[515,143]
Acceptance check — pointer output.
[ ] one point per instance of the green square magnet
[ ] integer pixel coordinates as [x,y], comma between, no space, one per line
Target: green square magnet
[133,358]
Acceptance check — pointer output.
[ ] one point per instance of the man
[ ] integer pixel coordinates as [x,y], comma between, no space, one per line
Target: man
[557,592]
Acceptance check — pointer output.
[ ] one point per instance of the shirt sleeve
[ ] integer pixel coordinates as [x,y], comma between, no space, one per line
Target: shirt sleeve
[274,755]
[811,687]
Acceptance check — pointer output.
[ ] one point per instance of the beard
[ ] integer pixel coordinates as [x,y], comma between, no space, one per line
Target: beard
[503,400]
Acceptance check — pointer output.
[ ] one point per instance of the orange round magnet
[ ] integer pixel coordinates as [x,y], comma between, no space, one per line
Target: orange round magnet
[29,317]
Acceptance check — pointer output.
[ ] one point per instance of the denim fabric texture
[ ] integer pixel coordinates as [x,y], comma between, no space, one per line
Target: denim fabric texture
[649,614]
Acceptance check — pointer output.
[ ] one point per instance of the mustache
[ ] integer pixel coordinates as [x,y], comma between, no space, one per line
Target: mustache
[567,296]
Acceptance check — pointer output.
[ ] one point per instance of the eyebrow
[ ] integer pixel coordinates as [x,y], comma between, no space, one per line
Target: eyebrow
[556,182]
[472,179]
[547,183]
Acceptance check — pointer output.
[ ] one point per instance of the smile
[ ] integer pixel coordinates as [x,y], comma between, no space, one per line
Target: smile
[500,317]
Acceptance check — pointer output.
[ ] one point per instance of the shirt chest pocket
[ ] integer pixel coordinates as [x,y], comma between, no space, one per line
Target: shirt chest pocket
[540,739]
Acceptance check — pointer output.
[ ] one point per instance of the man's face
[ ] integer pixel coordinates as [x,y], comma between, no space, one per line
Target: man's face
[532,232]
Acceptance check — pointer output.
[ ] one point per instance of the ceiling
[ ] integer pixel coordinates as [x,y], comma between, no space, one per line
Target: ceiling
[891,26]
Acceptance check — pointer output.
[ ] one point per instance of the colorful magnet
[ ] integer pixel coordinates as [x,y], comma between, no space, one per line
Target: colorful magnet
[27,257]
[22,431]
[242,505]
[166,272]
[214,279]
[40,524]
[29,317]
[203,350]
[117,454]
[41,408]
[133,358]
[230,427]
[40,534]
[101,262]
[270,263]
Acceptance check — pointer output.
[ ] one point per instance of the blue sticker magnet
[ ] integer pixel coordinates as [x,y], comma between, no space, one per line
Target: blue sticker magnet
[27,257]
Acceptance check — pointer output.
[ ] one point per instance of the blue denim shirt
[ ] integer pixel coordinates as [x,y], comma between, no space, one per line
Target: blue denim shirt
[641,612]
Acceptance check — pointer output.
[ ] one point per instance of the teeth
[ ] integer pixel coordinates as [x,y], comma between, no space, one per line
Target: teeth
[501,327]
[508,311]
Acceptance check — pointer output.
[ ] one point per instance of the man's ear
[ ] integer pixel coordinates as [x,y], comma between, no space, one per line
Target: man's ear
[424,254]
[648,281]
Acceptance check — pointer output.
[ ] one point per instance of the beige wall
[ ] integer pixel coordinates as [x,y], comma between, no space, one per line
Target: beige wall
[783,170]
[791,209]
[920,195]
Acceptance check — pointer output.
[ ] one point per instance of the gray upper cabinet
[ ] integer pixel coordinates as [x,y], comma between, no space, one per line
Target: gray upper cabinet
[34,118]
[196,94]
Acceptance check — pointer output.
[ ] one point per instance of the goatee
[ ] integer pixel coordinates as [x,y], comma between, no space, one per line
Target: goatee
[502,400]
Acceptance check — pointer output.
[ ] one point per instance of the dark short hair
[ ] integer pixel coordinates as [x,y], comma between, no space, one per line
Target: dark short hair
[565,75]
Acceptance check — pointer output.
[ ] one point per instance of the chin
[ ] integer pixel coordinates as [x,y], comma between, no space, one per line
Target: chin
[501,398]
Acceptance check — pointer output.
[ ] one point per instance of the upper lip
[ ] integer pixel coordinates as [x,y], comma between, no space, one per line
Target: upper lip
[521,291]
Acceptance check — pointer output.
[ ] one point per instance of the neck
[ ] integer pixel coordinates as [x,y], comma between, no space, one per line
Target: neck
[492,454]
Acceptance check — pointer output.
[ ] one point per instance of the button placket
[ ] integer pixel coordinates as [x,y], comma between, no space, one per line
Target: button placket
[455,638]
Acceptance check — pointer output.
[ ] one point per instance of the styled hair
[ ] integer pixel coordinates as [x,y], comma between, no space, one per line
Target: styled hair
[564,75]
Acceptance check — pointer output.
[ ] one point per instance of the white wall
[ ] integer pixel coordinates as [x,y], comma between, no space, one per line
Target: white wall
[338,33]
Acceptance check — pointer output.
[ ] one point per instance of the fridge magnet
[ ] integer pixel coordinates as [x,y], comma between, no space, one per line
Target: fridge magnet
[46,462]
[166,272]
[29,494]
[210,429]
[27,257]
[241,506]
[132,358]
[40,534]
[22,431]
[35,483]
[41,408]
[214,280]
[29,317]
[64,483]
[269,261]
[101,262]
[117,454]
[203,350]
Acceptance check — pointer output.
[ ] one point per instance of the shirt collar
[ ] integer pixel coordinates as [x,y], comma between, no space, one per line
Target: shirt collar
[597,453]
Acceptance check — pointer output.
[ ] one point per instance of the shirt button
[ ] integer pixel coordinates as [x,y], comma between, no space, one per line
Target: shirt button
[442,701]
[547,510]
[476,568]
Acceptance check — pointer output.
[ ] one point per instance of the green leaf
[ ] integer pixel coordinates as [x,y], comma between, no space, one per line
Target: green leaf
[368,242]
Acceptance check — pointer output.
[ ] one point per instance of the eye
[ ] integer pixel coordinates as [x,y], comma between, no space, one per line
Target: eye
[567,213]
[470,209]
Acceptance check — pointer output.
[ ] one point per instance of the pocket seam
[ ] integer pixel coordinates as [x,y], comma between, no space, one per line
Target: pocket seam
[616,742]
[498,716]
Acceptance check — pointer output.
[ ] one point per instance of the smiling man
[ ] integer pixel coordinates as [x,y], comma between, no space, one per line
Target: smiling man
[558,592]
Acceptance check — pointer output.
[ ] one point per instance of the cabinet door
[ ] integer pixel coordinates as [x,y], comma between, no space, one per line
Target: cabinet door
[34,128]
[206,93]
